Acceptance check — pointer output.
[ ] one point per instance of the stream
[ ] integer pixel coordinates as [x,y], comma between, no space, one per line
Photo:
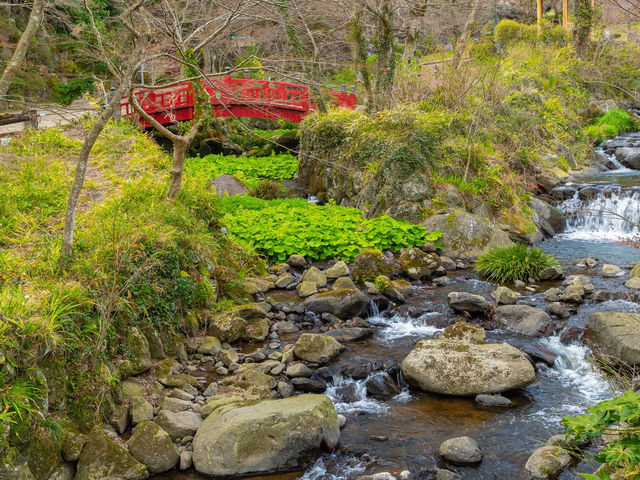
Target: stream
[404,432]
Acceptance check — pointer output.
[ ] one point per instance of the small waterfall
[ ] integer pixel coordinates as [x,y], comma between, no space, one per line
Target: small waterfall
[606,214]
[400,326]
[349,396]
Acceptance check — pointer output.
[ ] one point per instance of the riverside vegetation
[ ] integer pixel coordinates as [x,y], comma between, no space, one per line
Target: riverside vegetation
[161,292]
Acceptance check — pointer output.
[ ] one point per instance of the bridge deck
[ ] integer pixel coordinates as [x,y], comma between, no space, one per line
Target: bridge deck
[232,97]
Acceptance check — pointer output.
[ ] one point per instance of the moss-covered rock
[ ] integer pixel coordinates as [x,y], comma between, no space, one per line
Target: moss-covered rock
[256,330]
[72,444]
[138,354]
[316,348]
[226,326]
[369,264]
[271,435]
[152,446]
[465,234]
[465,332]
[103,458]
[417,264]
[546,462]
[43,452]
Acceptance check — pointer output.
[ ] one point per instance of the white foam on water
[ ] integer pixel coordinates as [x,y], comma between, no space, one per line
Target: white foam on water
[362,402]
[400,326]
[577,372]
[347,468]
[610,216]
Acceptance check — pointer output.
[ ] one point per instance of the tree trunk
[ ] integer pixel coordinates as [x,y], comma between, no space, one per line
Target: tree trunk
[583,14]
[21,49]
[81,170]
[179,151]
[466,32]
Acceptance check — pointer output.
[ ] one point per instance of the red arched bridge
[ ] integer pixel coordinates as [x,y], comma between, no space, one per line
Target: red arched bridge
[232,97]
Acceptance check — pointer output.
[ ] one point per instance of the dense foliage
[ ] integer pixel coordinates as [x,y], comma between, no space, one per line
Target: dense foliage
[140,261]
[279,228]
[250,170]
[518,262]
[619,418]
[610,125]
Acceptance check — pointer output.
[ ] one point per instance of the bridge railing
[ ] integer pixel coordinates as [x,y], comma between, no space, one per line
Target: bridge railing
[166,103]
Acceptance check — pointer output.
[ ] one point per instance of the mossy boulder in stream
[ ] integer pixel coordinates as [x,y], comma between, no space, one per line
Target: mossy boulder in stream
[455,368]
[466,234]
[226,326]
[268,436]
[103,458]
[316,348]
[369,264]
[152,446]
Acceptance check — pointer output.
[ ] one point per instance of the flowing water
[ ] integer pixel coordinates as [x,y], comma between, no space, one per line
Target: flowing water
[405,431]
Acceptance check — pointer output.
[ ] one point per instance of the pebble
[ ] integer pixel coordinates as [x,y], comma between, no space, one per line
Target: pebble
[341,420]
[284,389]
[493,400]
[442,474]
[274,345]
[278,369]
[222,371]
[211,390]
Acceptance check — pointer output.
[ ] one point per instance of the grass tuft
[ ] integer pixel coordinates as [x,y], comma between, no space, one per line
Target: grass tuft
[518,262]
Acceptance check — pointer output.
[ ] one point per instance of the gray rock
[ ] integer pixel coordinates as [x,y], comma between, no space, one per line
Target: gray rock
[382,386]
[340,269]
[316,348]
[629,157]
[65,471]
[152,446]
[178,424]
[186,460]
[442,474]
[460,450]
[523,319]
[227,185]
[344,283]
[309,385]
[505,296]
[298,369]
[615,336]
[493,400]
[551,273]
[175,404]
[344,303]
[271,435]
[140,410]
[546,462]
[284,389]
[350,334]
[209,346]
[455,368]
[297,261]
[103,458]
[609,270]
[467,302]
[557,309]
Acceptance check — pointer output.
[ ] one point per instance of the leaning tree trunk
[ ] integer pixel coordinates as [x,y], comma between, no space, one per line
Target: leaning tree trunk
[81,170]
[179,151]
[466,33]
[20,52]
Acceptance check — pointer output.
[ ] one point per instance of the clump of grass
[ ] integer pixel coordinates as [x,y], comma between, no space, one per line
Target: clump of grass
[268,190]
[518,262]
[610,125]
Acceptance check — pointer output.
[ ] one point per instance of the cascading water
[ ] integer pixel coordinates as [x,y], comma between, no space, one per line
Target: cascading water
[608,213]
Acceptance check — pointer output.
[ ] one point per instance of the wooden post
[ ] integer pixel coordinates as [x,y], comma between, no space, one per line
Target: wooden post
[539,17]
[565,14]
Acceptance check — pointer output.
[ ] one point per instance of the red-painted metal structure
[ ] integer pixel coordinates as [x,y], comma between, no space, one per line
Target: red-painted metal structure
[232,97]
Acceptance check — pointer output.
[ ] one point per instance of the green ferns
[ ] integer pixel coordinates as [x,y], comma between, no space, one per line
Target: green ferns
[279,228]
[621,455]
[518,262]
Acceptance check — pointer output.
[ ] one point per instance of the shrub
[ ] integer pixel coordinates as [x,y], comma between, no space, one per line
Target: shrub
[65,93]
[279,228]
[268,190]
[517,262]
[510,31]
[610,125]
[620,456]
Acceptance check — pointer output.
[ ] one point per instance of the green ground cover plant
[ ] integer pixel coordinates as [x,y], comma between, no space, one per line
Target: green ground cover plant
[279,228]
[258,138]
[249,170]
[619,417]
[517,262]
[610,125]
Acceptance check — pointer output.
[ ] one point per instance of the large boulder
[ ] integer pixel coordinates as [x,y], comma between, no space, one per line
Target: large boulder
[343,303]
[370,263]
[467,302]
[455,368]
[417,264]
[615,336]
[270,435]
[152,446]
[547,218]
[316,348]
[629,157]
[227,185]
[139,360]
[103,458]
[460,450]
[546,462]
[466,234]
[523,319]
[226,326]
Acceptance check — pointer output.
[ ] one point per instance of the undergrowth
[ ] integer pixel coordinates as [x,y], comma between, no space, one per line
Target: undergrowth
[279,228]
[517,262]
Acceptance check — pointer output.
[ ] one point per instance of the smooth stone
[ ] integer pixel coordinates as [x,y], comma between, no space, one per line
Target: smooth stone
[505,296]
[615,336]
[350,334]
[178,424]
[462,450]
[493,400]
[152,446]
[523,319]
[467,302]
[546,462]
[611,270]
[316,348]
